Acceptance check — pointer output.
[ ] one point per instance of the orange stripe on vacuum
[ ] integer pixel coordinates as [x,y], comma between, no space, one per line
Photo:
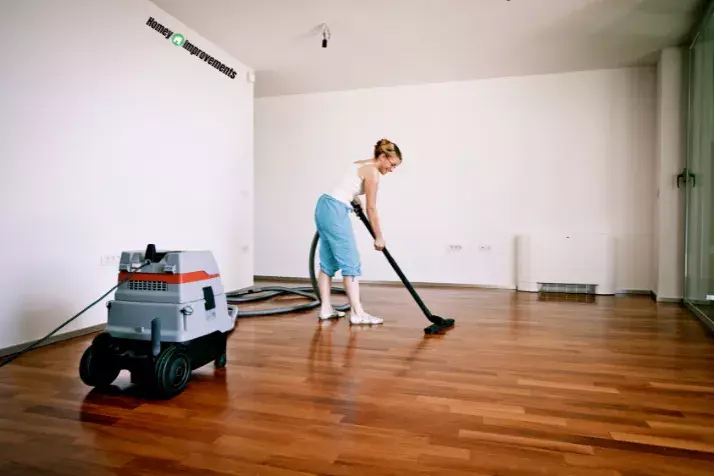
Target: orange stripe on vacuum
[182,278]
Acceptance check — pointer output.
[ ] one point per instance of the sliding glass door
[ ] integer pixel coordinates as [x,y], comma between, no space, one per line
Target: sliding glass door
[698,177]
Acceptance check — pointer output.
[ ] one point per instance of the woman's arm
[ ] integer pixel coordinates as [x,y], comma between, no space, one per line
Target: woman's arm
[371,184]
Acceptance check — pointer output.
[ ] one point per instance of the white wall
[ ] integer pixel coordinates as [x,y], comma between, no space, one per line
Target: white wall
[95,102]
[483,162]
[669,202]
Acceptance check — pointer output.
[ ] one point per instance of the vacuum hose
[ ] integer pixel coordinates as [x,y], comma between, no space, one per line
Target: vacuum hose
[97,301]
[253,294]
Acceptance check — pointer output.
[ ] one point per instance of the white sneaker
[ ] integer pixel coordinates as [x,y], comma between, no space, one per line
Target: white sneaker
[334,314]
[365,319]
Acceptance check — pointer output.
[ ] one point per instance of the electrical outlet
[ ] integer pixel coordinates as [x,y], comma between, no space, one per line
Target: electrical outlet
[111,260]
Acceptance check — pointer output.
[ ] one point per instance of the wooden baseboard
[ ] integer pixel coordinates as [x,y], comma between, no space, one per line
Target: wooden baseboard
[52,340]
[657,298]
[669,300]
[634,292]
[283,279]
[651,294]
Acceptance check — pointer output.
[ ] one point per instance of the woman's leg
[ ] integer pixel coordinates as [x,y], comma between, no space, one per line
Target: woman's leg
[324,283]
[352,290]
[350,262]
[358,314]
[324,219]
[338,250]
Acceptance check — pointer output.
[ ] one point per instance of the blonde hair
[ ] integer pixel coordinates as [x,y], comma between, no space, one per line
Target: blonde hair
[388,148]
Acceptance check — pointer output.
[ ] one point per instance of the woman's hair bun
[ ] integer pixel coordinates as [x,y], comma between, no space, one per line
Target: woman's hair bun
[386,147]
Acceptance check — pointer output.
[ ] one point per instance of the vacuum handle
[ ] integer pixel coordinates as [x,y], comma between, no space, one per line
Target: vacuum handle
[358,210]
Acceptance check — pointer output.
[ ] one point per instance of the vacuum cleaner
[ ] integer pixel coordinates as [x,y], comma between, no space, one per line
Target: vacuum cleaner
[168,317]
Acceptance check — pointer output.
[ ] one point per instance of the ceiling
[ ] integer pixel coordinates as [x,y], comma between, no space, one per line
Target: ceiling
[398,42]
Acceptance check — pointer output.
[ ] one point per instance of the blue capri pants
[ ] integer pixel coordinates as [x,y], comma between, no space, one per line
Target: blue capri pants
[338,247]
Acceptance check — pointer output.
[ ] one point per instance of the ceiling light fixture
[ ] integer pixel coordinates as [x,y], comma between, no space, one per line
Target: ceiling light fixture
[325,35]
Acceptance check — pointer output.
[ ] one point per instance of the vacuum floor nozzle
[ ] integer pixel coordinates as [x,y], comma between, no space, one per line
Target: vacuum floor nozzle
[439,324]
[439,327]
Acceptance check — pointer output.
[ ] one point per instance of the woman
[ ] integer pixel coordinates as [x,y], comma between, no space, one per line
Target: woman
[338,247]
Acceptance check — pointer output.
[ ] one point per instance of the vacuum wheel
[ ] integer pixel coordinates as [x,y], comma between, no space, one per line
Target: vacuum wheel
[172,371]
[96,368]
[220,361]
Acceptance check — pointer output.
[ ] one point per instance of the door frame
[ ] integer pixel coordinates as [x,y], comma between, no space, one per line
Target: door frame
[707,13]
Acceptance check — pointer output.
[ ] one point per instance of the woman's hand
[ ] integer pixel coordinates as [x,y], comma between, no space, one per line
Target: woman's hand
[379,244]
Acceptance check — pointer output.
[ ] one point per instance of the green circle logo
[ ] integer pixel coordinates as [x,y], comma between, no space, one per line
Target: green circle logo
[178,39]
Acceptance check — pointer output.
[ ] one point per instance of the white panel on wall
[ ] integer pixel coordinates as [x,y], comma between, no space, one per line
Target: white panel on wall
[566,259]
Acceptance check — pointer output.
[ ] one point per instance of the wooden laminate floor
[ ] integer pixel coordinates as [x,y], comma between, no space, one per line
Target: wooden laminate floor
[521,386]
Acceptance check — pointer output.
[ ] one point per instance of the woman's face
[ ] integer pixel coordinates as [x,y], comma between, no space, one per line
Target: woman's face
[386,164]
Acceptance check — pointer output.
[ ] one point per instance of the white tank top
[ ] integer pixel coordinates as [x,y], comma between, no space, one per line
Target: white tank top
[350,186]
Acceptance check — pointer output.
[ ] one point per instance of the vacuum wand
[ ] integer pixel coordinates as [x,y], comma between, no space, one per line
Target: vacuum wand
[439,324]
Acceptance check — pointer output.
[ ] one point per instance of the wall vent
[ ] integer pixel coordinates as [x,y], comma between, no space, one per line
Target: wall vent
[567,288]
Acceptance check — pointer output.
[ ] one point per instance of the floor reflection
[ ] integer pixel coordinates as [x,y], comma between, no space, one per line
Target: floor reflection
[567,297]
